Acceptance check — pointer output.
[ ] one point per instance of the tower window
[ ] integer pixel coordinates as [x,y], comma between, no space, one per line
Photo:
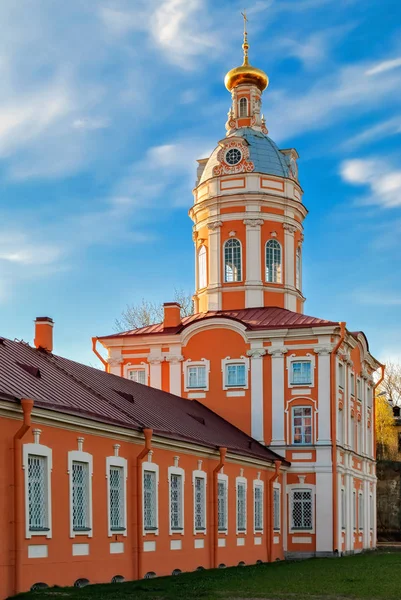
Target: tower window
[243,107]
[232,261]
[273,261]
[202,278]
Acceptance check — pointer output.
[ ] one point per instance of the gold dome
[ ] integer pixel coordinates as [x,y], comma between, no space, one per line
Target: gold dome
[246,74]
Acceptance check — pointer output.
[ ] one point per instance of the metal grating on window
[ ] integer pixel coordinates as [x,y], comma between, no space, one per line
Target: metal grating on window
[37,493]
[200,503]
[149,500]
[176,501]
[222,505]
[117,516]
[258,497]
[241,506]
[276,509]
[80,496]
[302,510]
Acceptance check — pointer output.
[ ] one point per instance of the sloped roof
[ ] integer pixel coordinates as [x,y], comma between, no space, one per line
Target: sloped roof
[267,317]
[68,387]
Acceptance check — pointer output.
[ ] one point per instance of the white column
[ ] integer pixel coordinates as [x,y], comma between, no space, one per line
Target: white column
[257,421]
[253,282]
[155,371]
[366,503]
[214,270]
[324,509]
[278,405]
[324,415]
[349,508]
[175,374]
[289,271]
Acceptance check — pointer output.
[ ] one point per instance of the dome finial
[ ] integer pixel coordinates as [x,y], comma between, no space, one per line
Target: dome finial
[245,45]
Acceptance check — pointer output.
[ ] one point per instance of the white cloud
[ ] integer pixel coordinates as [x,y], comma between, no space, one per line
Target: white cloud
[383,182]
[19,248]
[376,132]
[90,123]
[386,65]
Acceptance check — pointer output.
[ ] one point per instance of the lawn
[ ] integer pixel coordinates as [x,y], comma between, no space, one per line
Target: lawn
[372,576]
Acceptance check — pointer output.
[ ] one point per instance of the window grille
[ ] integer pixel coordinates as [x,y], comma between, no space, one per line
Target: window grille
[222,505]
[137,375]
[80,496]
[176,501]
[301,372]
[202,267]
[200,503]
[276,509]
[196,377]
[232,260]
[302,425]
[243,107]
[149,500]
[273,261]
[360,511]
[258,508]
[302,509]
[241,506]
[117,487]
[37,493]
[235,375]
[354,508]
[298,269]
[343,510]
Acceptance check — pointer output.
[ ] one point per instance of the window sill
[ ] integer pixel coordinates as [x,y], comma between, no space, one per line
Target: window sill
[81,529]
[118,529]
[300,385]
[301,529]
[200,529]
[177,529]
[39,529]
[194,389]
[277,530]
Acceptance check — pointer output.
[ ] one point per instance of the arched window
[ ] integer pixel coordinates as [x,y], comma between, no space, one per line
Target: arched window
[232,260]
[243,107]
[202,275]
[298,269]
[273,261]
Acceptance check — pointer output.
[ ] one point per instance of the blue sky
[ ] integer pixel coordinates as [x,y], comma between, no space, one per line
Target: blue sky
[106,105]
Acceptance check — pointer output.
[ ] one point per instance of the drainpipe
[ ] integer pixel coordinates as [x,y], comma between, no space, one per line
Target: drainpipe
[215,536]
[100,357]
[269,512]
[333,411]
[27,405]
[383,367]
[139,483]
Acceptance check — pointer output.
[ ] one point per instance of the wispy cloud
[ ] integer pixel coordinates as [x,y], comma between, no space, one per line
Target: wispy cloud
[374,133]
[377,297]
[386,65]
[383,182]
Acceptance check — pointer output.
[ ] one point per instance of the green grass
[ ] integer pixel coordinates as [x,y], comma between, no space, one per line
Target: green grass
[373,576]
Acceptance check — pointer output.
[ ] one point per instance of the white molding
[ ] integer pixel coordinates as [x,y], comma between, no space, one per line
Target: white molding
[150,466]
[203,362]
[243,480]
[117,461]
[181,472]
[82,457]
[202,475]
[307,402]
[223,477]
[259,483]
[242,360]
[45,451]
[213,323]
[304,358]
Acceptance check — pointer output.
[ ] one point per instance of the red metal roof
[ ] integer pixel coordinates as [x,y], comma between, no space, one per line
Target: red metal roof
[268,317]
[68,387]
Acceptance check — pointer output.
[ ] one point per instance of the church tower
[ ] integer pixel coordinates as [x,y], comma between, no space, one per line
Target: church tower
[248,210]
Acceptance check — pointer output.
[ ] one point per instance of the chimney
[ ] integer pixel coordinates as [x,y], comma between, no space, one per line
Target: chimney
[44,333]
[172,315]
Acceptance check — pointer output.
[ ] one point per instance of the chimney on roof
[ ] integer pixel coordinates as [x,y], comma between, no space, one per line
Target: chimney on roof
[44,333]
[172,315]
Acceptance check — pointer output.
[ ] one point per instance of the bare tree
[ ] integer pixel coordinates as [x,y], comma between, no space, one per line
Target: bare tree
[390,387]
[147,312]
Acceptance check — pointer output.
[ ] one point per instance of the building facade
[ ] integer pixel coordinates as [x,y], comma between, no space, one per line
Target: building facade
[302,386]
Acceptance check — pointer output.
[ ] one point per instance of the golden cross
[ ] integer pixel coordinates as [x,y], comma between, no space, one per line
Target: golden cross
[245,20]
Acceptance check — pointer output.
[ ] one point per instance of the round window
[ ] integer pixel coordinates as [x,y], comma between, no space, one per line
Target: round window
[233,156]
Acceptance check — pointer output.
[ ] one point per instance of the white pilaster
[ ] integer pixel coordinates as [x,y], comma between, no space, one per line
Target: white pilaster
[115,359]
[175,373]
[214,270]
[278,435]
[324,510]
[289,269]
[253,282]
[155,361]
[324,415]
[257,421]
[366,506]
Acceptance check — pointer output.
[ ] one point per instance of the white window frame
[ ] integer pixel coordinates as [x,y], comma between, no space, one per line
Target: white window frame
[224,478]
[117,461]
[176,471]
[196,363]
[202,267]
[142,366]
[240,116]
[45,452]
[359,389]
[241,481]
[82,457]
[150,466]
[341,375]
[258,483]
[242,360]
[277,488]
[305,358]
[200,475]
[352,380]
[293,408]
[301,487]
